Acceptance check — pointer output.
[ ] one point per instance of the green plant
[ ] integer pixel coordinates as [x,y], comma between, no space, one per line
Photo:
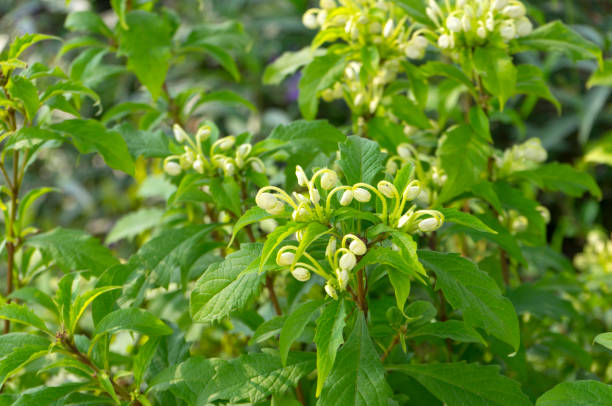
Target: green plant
[401,257]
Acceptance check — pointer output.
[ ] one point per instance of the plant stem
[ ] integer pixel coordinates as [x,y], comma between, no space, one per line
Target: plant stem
[390,347]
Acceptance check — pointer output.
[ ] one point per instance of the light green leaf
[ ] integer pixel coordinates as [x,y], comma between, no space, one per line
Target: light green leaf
[9,342]
[34,295]
[530,81]
[68,87]
[221,56]
[87,21]
[294,326]
[288,63]
[227,97]
[460,384]
[497,71]
[134,224]
[556,36]
[313,136]
[132,319]
[21,314]
[361,160]
[146,43]
[579,393]
[227,286]
[142,143]
[48,395]
[276,237]
[317,76]
[186,380]
[602,76]
[328,337]
[19,358]
[23,90]
[358,377]
[434,68]
[25,41]
[604,339]
[472,291]
[465,219]
[28,200]
[408,111]
[73,250]
[561,177]
[453,329]
[91,136]
[252,215]
[82,301]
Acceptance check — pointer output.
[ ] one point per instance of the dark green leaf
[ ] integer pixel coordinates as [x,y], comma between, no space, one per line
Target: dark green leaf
[361,160]
[328,337]
[294,326]
[132,319]
[318,75]
[579,393]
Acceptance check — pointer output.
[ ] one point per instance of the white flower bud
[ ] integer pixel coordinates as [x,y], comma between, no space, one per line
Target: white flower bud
[412,51]
[388,29]
[268,225]
[327,4]
[329,180]
[347,198]
[490,22]
[285,259]
[172,168]
[387,189]
[329,289]
[321,17]
[499,4]
[361,195]
[412,191]
[453,24]
[404,152]
[243,150]
[301,214]
[433,16]
[226,143]
[520,224]
[348,261]
[266,200]
[327,95]
[301,274]
[465,23]
[302,179]
[481,31]
[544,212]
[314,196]
[507,31]
[229,168]
[429,224]
[373,105]
[423,197]
[420,41]
[358,100]
[198,165]
[187,158]
[391,167]
[278,208]
[403,221]
[444,41]
[357,247]
[343,278]
[203,133]
[310,19]
[331,247]
[258,166]
[179,134]
[523,27]
[516,11]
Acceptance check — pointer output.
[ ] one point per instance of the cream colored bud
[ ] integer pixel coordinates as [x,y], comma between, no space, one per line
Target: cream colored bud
[387,189]
[347,198]
[179,134]
[300,214]
[258,166]
[226,143]
[403,221]
[516,11]
[358,247]
[331,247]
[404,151]
[348,261]
[481,32]
[329,180]
[453,24]
[229,168]
[544,212]
[523,27]
[327,95]
[391,167]
[412,51]
[499,4]
[465,23]
[302,179]
[429,224]
[266,200]
[358,100]
[301,274]
[490,22]
[203,133]
[310,19]
[444,41]
[519,224]
[243,150]
[278,208]
[187,158]
[198,165]
[433,16]
[172,168]
[314,196]
[361,195]
[285,259]
[420,41]
[388,29]
[343,278]
[375,28]
[508,31]
[268,225]
[412,191]
[329,289]
[327,4]
[321,17]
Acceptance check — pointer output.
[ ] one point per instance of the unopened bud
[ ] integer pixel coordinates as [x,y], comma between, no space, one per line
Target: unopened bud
[285,259]
[388,29]
[357,247]
[387,189]
[453,24]
[258,166]
[329,180]
[331,291]
[343,278]
[301,274]
[302,179]
[523,27]
[172,168]
[412,190]
[516,11]
[361,195]
[347,198]
[226,143]
[179,134]
[243,150]
[444,41]
[314,196]
[266,200]
[403,221]
[348,261]
[198,165]
[310,19]
[429,224]
[331,247]
[203,133]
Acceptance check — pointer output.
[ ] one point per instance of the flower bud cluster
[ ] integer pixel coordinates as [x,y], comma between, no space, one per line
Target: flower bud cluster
[223,154]
[597,255]
[470,23]
[360,24]
[520,157]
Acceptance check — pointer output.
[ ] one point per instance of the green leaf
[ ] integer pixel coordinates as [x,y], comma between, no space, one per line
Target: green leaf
[87,21]
[453,329]
[579,393]
[294,326]
[120,110]
[472,291]
[497,71]
[144,357]
[23,90]
[276,237]
[464,159]
[227,97]
[222,57]
[33,137]
[227,286]
[148,144]
[132,319]
[19,358]
[530,81]
[25,41]
[48,395]
[561,177]
[361,160]
[186,380]
[91,136]
[434,68]
[146,43]
[28,200]
[268,329]
[134,224]
[288,63]
[318,75]
[34,295]
[328,337]
[314,136]
[460,384]
[416,10]
[556,36]
[227,194]
[73,250]
[68,87]
[604,339]
[602,76]
[358,377]
[82,301]
[252,215]
[9,342]
[21,314]
[257,376]
[408,111]
[465,219]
